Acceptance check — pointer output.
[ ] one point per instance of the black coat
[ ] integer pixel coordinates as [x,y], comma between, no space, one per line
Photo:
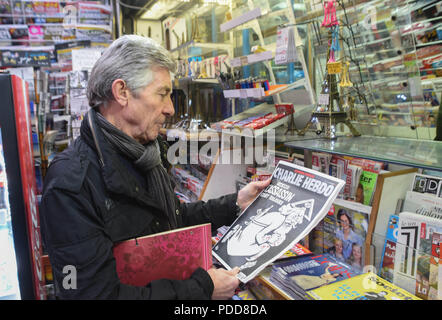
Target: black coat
[86,208]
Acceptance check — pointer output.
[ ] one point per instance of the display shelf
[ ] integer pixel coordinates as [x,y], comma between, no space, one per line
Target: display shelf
[198,80]
[390,37]
[263,108]
[428,43]
[246,17]
[202,135]
[208,48]
[285,87]
[251,24]
[251,59]
[204,80]
[402,151]
[260,93]
[244,93]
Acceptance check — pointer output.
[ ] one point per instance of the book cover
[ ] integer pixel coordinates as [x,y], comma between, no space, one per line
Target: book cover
[282,214]
[174,254]
[313,271]
[338,168]
[366,286]
[413,250]
[368,181]
[352,182]
[366,164]
[389,250]
[320,162]
[433,277]
[423,276]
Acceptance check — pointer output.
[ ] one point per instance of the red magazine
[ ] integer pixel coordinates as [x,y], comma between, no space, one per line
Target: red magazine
[174,254]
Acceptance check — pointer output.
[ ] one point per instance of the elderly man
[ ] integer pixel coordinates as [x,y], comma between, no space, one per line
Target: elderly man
[110,184]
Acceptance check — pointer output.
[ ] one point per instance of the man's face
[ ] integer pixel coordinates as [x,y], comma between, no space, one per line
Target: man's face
[147,111]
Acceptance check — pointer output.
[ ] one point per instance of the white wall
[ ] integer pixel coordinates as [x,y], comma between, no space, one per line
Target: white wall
[179,26]
[142,27]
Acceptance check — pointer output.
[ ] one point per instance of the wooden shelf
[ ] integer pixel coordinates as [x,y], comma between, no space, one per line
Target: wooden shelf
[260,93]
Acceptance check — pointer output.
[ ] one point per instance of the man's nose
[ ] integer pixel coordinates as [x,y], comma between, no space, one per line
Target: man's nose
[169,109]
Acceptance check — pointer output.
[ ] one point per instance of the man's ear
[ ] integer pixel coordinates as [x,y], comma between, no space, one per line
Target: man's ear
[120,92]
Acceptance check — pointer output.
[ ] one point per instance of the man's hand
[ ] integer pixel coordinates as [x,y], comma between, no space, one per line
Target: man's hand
[225,282]
[247,194]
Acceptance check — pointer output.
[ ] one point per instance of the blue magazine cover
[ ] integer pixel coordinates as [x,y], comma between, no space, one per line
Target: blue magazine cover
[386,266]
[305,273]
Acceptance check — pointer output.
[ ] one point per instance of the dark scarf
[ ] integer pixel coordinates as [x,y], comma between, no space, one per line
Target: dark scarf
[147,159]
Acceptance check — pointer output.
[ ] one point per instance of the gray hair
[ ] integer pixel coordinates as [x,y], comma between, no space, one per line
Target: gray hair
[130,58]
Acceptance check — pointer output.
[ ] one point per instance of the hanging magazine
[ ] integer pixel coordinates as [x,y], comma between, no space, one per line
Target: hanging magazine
[283,213]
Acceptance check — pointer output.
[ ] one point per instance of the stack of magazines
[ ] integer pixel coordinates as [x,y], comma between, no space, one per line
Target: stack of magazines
[301,274]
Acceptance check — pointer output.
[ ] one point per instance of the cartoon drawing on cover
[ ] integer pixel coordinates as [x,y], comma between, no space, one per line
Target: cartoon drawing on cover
[266,229]
[308,282]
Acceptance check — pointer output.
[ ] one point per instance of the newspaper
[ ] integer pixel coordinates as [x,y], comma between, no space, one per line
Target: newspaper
[283,213]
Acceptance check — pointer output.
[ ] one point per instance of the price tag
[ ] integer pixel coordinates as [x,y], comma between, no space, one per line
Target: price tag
[243,93]
[334,67]
[415,86]
[285,46]
[324,98]
[282,40]
[231,93]
[235,62]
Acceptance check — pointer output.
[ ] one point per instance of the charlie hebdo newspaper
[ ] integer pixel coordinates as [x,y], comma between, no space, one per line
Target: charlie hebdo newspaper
[283,213]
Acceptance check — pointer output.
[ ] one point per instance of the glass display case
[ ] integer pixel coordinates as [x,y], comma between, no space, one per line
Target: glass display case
[217,45]
[394,53]
[407,152]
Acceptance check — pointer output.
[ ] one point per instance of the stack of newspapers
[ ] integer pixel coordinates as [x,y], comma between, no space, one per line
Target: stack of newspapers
[301,274]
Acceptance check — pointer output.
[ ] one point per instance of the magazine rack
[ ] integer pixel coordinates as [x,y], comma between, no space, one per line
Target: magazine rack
[413,269]
[390,187]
